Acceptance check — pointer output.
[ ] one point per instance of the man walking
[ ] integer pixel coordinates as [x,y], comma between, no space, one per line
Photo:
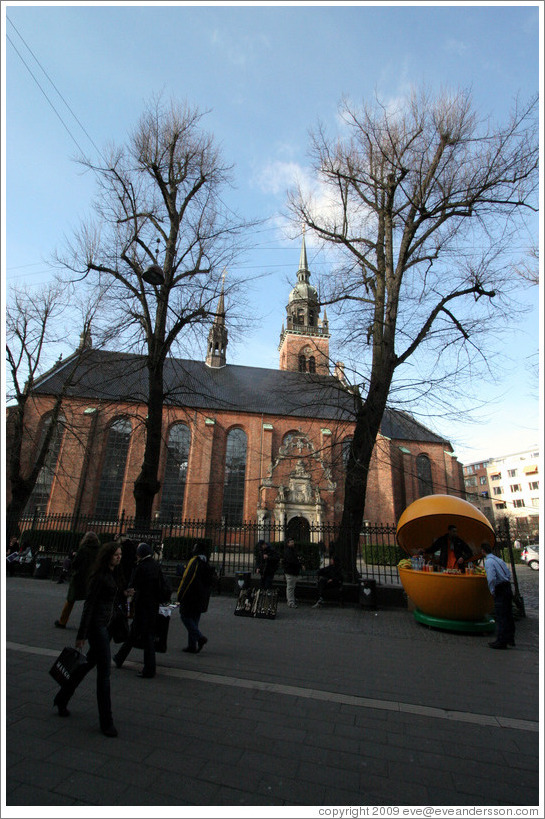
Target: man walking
[150,590]
[499,583]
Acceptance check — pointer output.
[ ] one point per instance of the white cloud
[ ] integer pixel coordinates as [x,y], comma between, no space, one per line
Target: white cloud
[239,49]
[458,47]
[277,177]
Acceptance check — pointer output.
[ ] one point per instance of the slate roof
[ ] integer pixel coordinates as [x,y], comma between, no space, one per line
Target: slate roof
[110,376]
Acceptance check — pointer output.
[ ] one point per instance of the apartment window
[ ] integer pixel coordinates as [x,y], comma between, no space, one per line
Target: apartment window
[518,503]
[534,485]
[515,487]
[498,490]
[535,502]
[172,497]
[501,505]
[482,480]
[471,481]
[496,477]
[113,470]
[512,473]
[235,473]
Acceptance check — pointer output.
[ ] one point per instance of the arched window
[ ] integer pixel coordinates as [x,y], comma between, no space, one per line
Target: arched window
[289,436]
[311,318]
[235,472]
[423,472]
[172,496]
[312,364]
[42,488]
[113,470]
[302,364]
[346,445]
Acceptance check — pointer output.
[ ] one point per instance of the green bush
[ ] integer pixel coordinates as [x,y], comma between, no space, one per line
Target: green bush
[180,548]
[308,553]
[382,554]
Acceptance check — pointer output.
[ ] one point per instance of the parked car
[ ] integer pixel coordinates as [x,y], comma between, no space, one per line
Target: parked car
[530,555]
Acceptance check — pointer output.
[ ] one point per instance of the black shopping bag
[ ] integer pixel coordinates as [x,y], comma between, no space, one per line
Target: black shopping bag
[161,631]
[67,663]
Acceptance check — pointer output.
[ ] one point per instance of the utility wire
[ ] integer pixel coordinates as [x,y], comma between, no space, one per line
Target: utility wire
[89,137]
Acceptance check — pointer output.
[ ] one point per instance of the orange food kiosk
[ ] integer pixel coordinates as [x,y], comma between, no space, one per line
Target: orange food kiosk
[446,599]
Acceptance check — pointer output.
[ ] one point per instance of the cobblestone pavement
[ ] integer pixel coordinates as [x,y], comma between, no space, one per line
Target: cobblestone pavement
[319,707]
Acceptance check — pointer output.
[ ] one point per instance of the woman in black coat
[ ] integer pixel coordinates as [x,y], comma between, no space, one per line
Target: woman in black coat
[194,595]
[105,590]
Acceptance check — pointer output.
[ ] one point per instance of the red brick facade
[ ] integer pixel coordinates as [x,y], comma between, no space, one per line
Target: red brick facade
[294,462]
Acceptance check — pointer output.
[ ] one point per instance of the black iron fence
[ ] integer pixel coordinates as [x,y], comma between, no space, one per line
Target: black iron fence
[232,548]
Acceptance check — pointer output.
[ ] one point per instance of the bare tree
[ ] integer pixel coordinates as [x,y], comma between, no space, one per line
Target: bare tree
[419,203]
[528,268]
[36,323]
[160,242]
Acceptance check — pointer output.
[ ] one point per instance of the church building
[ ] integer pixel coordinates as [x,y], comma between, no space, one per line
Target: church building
[240,444]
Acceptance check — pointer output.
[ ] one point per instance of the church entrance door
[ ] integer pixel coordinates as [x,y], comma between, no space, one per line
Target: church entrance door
[299,529]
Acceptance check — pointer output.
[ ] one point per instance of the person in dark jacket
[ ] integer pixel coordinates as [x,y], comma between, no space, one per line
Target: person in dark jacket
[194,596]
[330,579]
[80,568]
[128,560]
[292,570]
[148,587]
[453,551]
[268,564]
[105,590]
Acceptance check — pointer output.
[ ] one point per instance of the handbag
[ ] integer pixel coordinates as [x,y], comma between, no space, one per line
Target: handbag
[67,663]
[118,627]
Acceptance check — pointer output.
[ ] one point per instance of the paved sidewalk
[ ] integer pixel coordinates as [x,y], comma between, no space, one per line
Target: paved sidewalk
[332,706]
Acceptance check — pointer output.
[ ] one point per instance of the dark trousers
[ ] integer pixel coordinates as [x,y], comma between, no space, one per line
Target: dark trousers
[143,631]
[503,610]
[325,588]
[191,622]
[267,581]
[98,655]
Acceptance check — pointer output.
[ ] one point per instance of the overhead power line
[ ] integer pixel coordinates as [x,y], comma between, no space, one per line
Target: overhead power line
[32,74]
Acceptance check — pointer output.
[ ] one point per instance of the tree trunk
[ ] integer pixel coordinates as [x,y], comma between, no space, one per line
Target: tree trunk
[368,420]
[20,493]
[147,484]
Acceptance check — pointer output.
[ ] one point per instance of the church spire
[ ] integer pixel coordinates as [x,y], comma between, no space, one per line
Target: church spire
[304,342]
[303,263]
[217,337]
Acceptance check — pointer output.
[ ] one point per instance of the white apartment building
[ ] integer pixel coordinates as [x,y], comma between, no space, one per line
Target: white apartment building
[514,486]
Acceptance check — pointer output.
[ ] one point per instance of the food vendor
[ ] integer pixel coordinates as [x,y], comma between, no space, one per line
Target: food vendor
[454,552]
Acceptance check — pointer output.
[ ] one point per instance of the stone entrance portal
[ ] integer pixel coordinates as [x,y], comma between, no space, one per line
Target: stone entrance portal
[299,529]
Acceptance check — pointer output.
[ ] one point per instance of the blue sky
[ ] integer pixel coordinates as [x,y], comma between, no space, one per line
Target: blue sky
[266,74]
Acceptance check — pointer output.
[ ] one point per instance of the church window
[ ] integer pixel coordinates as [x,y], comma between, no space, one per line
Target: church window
[300,317]
[311,318]
[174,481]
[302,364]
[423,472]
[312,364]
[42,488]
[235,473]
[113,470]
[346,445]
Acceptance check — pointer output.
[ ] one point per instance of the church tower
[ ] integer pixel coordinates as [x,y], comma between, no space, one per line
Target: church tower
[304,342]
[217,337]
